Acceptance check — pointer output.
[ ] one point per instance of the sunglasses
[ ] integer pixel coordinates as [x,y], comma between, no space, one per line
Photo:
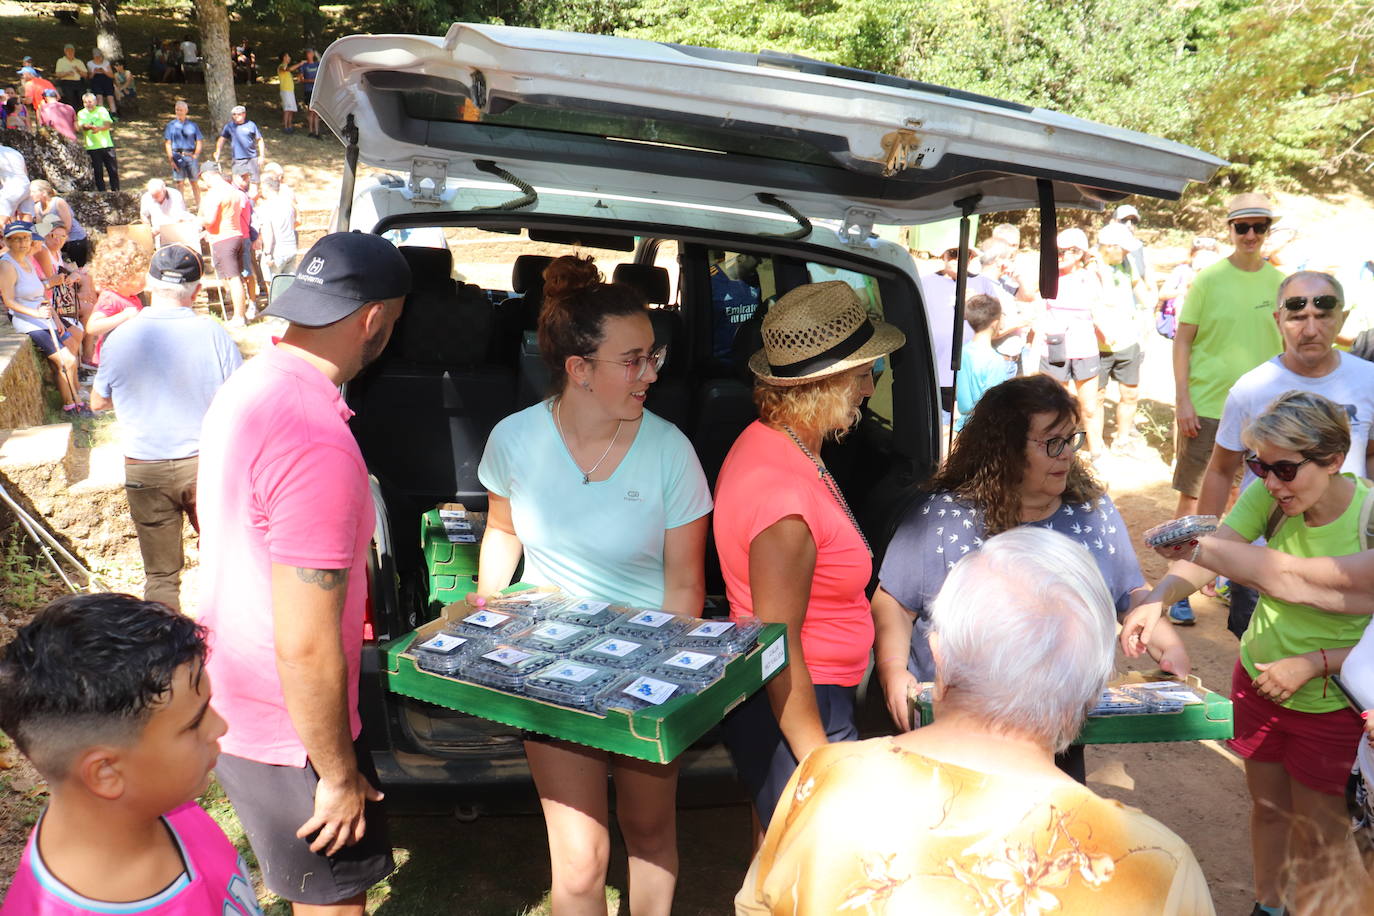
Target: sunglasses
[1064,251]
[1131,219]
[1283,470]
[1247,228]
[1298,303]
[1055,445]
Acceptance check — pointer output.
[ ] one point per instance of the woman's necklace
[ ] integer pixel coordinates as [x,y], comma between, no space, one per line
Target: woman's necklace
[829,481]
[1038,513]
[587,474]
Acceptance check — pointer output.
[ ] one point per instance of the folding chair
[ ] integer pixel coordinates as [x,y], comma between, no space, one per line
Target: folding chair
[187,232]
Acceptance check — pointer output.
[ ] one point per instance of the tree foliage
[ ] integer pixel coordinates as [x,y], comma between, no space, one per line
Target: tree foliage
[1283,88]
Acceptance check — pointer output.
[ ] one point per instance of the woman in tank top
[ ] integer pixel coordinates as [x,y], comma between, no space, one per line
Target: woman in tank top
[25,295]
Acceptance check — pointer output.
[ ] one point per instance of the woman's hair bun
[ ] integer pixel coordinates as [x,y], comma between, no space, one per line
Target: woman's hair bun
[569,276]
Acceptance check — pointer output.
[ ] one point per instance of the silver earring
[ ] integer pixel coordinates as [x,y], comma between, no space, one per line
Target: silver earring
[586,385]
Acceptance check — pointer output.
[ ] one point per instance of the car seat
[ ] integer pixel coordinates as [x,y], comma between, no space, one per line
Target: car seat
[443,323]
[518,314]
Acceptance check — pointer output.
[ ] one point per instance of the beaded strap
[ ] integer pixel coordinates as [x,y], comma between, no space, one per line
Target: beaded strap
[829,480]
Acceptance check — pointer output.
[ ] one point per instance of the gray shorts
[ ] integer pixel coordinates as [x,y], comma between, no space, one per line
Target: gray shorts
[249,167]
[273,801]
[1192,456]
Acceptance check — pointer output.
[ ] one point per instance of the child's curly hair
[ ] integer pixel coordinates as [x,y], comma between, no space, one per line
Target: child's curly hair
[116,261]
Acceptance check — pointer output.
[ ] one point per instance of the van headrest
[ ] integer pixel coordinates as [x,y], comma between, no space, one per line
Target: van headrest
[649,281]
[428,266]
[528,273]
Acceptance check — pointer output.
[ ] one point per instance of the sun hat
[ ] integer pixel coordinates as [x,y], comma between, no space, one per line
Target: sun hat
[209,167]
[818,330]
[1250,204]
[27,71]
[1073,237]
[175,264]
[1115,234]
[339,274]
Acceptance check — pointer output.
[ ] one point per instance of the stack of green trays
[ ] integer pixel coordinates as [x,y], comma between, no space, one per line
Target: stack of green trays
[452,567]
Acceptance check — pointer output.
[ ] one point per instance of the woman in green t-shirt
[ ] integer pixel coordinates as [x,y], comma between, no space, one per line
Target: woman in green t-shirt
[1291,725]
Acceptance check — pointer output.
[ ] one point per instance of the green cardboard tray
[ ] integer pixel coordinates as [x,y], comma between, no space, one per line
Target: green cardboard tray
[1210,719]
[452,567]
[656,735]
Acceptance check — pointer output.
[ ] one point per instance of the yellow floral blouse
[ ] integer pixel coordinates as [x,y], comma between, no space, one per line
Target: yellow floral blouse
[867,827]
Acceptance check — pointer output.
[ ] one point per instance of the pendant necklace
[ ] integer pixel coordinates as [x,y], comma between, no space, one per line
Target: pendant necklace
[829,481]
[587,474]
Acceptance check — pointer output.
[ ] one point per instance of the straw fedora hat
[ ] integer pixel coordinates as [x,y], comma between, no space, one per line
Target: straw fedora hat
[818,330]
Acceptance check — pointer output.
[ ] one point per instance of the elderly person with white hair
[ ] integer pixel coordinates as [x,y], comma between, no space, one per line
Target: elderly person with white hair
[161,205]
[970,814]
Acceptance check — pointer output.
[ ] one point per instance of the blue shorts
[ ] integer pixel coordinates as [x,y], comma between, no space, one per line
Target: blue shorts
[44,342]
[184,165]
[761,754]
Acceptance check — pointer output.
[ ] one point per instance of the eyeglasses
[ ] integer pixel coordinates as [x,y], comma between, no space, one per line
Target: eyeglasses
[1283,470]
[1247,228]
[635,368]
[1298,303]
[1055,445]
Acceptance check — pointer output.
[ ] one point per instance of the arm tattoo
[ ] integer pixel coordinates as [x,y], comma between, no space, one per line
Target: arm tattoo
[326,579]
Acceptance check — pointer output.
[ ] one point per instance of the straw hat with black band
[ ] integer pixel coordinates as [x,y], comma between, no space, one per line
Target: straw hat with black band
[819,330]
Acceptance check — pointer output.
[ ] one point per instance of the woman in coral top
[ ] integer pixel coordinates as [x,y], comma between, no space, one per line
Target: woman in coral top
[790,549]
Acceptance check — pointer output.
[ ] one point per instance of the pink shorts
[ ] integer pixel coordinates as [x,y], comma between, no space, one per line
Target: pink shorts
[1316,748]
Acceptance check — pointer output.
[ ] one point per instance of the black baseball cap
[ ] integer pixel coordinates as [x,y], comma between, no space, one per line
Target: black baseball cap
[175,264]
[338,275]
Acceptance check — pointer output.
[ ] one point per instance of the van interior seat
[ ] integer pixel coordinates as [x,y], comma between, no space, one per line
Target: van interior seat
[443,323]
[653,283]
[518,314]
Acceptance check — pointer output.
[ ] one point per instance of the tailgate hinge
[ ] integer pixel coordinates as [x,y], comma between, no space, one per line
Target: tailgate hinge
[428,178]
[857,226]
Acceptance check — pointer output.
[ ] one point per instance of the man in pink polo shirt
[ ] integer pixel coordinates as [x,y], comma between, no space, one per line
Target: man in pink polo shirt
[286,518]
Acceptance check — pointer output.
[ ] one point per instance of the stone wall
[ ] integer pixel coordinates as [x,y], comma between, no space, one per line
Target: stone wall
[21,380]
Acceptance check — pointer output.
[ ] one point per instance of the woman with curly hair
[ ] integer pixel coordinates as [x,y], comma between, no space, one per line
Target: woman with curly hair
[790,549]
[1015,463]
[120,271]
[603,498]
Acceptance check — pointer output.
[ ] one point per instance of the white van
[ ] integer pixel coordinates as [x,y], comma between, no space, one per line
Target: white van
[712,181]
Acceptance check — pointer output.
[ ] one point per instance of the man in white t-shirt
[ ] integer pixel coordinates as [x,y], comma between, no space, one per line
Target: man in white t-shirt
[1309,312]
[160,205]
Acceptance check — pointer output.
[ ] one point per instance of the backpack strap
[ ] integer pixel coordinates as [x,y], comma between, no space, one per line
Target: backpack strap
[1272,525]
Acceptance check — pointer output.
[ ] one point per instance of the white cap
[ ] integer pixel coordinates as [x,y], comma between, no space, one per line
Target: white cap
[1124,211]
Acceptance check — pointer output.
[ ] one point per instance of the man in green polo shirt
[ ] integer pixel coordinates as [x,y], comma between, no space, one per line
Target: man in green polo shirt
[95,123]
[1225,329]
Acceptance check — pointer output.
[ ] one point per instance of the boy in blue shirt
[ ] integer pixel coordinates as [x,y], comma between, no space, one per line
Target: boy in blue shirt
[108,697]
[981,367]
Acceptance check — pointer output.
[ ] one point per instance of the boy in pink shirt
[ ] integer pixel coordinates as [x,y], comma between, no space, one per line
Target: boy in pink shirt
[108,697]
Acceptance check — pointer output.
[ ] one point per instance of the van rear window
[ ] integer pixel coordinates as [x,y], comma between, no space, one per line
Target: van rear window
[587,117]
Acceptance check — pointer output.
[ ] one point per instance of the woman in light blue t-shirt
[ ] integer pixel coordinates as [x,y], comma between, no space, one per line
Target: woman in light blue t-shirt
[601,498]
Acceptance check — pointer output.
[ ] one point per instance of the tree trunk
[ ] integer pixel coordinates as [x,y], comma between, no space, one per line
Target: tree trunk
[106,29]
[219,67]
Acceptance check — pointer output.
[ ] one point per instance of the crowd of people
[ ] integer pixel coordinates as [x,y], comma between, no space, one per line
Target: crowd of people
[1002,586]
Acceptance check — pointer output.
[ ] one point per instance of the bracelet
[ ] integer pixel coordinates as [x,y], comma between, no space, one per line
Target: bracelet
[1326,672]
[1197,550]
